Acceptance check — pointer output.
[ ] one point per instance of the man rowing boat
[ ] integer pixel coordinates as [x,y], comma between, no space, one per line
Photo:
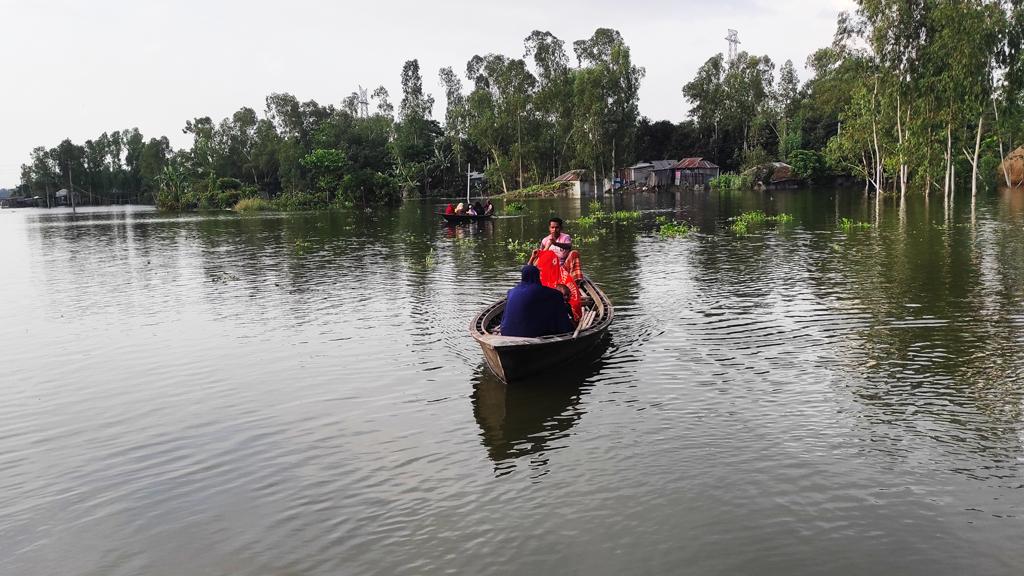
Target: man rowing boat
[561,244]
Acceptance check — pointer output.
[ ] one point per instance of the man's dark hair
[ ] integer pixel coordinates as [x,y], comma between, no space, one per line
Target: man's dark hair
[556,220]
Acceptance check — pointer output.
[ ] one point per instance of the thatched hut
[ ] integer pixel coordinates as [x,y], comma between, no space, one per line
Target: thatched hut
[1013,166]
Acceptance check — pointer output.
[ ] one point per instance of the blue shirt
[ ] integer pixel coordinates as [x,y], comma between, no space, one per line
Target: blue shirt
[534,310]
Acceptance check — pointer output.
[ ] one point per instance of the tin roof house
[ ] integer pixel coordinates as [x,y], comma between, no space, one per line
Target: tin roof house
[695,172]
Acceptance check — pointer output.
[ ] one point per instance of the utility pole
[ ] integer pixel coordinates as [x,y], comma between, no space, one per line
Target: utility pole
[364,103]
[734,42]
[71,192]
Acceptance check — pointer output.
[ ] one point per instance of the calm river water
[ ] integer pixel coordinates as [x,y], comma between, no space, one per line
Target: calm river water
[298,394]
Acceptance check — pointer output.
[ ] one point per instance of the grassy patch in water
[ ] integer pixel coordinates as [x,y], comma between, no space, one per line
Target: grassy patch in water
[624,216]
[599,216]
[744,222]
[847,224]
[671,229]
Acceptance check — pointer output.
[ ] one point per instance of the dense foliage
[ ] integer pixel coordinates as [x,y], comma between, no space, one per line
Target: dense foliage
[908,94]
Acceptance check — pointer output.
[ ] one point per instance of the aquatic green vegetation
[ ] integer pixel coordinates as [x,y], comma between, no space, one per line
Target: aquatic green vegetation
[431,259]
[739,227]
[595,207]
[847,224]
[624,216]
[514,207]
[519,248]
[600,217]
[252,205]
[668,228]
[744,222]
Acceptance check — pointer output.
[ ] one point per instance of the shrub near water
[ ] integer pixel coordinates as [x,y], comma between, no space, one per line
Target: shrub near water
[252,205]
[514,207]
[731,181]
[294,201]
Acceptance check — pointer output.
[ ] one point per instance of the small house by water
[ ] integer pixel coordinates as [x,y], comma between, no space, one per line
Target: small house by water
[581,180]
[695,172]
[61,198]
[653,173]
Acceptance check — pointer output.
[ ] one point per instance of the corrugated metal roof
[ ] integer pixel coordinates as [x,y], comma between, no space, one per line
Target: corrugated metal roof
[663,164]
[641,165]
[694,163]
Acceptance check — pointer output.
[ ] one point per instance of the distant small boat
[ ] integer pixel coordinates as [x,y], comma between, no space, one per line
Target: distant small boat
[514,359]
[463,218]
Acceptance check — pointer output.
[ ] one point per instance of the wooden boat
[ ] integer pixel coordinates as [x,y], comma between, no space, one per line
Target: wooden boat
[463,218]
[514,359]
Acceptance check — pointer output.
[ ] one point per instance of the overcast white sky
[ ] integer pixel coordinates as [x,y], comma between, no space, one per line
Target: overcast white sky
[76,69]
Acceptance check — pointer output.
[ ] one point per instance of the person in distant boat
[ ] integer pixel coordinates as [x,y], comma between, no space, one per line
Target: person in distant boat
[561,244]
[449,209]
[460,209]
[533,309]
[479,208]
[471,211]
[488,208]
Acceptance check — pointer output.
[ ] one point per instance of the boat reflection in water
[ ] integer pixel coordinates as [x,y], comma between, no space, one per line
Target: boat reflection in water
[529,417]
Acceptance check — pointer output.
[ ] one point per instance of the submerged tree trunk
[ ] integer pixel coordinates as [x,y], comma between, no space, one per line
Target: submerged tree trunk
[949,164]
[867,173]
[899,132]
[974,159]
[1002,154]
[874,133]
[519,146]
[504,186]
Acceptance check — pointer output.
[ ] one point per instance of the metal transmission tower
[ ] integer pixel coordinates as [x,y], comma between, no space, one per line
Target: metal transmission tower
[734,42]
[364,103]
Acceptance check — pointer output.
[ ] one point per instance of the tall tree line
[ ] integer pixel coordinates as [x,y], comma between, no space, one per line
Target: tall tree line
[911,95]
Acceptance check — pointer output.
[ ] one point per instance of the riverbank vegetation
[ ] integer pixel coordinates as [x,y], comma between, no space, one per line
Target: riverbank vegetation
[923,96]
[548,190]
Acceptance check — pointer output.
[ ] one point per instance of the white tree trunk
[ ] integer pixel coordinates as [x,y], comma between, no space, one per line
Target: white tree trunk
[949,163]
[1002,154]
[974,159]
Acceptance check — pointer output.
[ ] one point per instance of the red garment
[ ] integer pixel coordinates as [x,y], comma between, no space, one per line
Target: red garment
[552,273]
[449,210]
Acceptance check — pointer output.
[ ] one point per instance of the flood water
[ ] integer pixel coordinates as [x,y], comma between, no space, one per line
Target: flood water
[298,394]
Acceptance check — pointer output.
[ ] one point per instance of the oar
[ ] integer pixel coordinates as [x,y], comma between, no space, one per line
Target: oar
[585,321]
